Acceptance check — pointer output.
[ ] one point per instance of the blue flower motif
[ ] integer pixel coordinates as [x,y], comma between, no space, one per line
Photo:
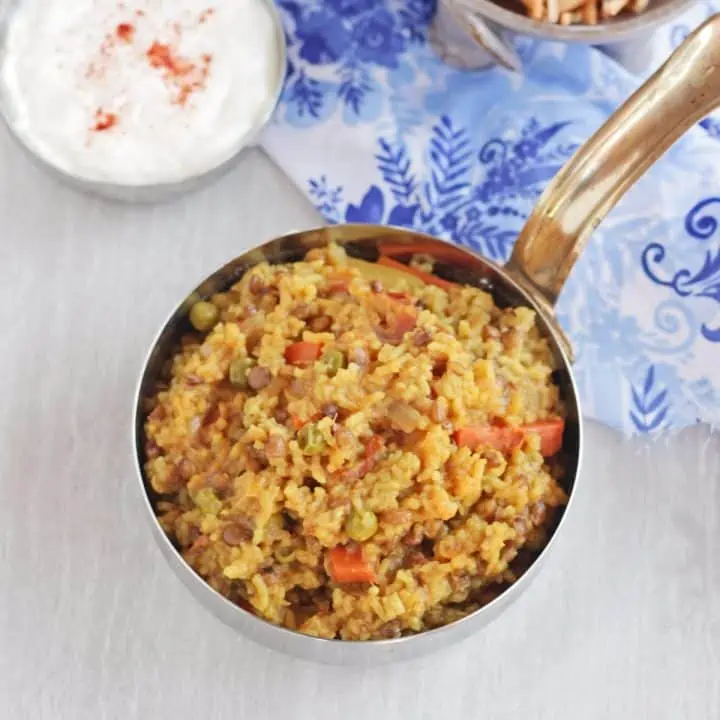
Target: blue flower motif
[351,8]
[650,403]
[449,222]
[372,210]
[444,202]
[641,305]
[712,126]
[308,101]
[323,38]
[702,282]
[377,39]
[350,40]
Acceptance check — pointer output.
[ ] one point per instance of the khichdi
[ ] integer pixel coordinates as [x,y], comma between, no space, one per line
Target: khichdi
[357,450]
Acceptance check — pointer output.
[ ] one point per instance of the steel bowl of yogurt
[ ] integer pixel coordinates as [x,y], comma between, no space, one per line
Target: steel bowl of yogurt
[139,100]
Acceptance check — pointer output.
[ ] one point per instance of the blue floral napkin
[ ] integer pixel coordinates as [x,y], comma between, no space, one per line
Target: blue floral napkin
[375,128]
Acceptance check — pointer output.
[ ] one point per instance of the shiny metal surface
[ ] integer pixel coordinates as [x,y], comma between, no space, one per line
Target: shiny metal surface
[487,26]
[681,92]
[362,241]
[157,192]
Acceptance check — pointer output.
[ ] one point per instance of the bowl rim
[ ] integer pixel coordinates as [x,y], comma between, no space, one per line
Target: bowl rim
[620,29]
[316,645]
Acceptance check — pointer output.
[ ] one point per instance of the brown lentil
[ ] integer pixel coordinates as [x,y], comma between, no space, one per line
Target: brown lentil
[320,324]
[239,532]
[258,378]
[329,410]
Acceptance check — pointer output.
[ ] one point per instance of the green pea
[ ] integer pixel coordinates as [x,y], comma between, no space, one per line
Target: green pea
[311,440]
[334,361]
[238,372]
[207,501]
[361,525]
[203,316]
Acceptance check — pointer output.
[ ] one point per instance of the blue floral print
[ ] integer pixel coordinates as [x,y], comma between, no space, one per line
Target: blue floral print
[377,129]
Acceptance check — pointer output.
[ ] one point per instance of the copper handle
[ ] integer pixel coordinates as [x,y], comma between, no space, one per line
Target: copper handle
[681,92]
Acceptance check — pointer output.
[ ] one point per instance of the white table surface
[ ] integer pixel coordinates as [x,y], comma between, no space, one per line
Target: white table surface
[624,621]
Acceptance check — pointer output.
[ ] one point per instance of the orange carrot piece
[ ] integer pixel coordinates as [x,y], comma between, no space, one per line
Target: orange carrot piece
[427,278]
[506,439]
[550,432]
[349,566]
[448,253]
[302,353]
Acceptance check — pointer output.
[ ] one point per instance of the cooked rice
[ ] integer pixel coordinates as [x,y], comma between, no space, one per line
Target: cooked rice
[256,517]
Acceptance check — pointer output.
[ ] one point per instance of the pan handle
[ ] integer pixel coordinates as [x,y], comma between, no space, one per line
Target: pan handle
[679,94]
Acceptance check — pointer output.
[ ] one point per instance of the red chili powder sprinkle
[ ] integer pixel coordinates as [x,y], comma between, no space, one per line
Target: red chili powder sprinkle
[187,76]
[194,82]
[162,57]
[125,32]
[104,120]
[182,76]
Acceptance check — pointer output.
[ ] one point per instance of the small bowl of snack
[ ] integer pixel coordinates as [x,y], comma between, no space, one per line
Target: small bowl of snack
[139,100]
[479,33]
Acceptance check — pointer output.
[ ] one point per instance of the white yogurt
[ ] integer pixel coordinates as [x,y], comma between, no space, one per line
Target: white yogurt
[141,91]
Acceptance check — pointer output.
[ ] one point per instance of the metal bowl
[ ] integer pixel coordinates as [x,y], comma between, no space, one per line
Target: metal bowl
[478,33]
[364,241]
[143,193]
